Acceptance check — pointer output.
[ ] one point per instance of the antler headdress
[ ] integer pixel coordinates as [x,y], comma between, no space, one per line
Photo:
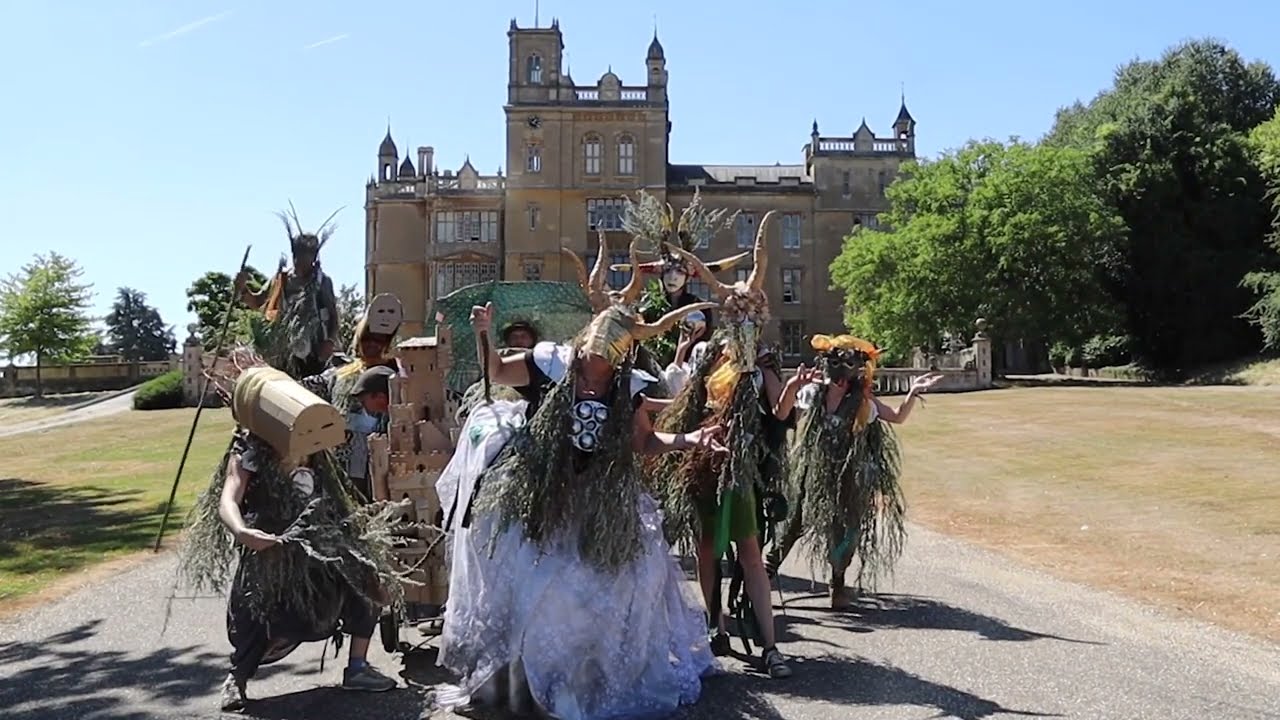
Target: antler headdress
[616,326]
[743,300]
[593,284]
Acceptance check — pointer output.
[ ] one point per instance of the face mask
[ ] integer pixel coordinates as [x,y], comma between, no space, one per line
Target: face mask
[674,280]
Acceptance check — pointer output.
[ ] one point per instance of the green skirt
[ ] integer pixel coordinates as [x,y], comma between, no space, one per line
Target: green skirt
[731,520]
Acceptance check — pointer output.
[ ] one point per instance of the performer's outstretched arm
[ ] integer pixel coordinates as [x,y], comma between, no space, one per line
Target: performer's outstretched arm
[645,441]
[919,386]
[233,488]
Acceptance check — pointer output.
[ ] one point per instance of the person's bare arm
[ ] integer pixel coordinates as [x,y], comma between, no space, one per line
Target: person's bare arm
[919,386]
[791,391]
[237,481]
[512,370]
[646,441]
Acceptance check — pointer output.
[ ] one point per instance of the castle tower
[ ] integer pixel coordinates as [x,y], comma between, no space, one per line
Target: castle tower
[656,62]
[904,128]
[388,157]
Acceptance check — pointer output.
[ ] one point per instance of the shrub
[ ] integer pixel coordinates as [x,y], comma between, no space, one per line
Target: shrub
[1105,351]
[163,392]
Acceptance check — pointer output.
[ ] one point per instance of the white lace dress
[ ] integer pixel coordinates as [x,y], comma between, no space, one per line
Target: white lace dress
[589,644]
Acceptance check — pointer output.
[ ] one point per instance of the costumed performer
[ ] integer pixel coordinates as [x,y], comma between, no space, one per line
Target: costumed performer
[298,304]
[563,595]
[309,561]
[371,345]
[844,465]
[711,501]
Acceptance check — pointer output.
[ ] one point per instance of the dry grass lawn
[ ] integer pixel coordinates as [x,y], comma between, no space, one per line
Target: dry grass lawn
[26,409]
[1170,495]
[80,494]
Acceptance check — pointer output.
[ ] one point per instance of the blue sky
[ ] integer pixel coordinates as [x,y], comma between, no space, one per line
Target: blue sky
[151,141]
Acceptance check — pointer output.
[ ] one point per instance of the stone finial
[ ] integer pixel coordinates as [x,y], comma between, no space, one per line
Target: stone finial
[981,324]
[193,335]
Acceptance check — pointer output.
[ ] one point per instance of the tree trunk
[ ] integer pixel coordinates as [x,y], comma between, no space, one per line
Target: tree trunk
[39,379]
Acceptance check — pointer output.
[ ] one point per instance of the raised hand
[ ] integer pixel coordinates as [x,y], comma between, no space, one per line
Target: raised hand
[922,383]
[804,375]
[708,438]
[482,318]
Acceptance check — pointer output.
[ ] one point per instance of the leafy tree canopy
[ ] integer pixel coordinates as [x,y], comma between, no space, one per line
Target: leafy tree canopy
[44,313]
[1009,232]
[135,330]
[1170,152]
[208,298]
[1264,141]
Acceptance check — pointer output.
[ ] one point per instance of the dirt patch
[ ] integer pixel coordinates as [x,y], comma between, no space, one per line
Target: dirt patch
[1167,495]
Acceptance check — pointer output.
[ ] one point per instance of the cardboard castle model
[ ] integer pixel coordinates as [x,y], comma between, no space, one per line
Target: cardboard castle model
[406,462]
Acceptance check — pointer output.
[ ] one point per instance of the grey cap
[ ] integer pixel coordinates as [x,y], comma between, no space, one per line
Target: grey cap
[374,380]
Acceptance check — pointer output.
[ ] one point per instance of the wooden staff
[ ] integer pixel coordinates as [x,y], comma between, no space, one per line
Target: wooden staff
[204,388]
[484,367]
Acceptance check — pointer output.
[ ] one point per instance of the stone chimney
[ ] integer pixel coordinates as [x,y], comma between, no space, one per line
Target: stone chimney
[426,158]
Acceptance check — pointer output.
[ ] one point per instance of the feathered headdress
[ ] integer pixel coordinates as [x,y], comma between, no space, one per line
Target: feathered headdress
[301,240]
[656,225]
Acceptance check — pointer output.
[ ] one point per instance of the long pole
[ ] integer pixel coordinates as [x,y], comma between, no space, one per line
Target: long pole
[204,388]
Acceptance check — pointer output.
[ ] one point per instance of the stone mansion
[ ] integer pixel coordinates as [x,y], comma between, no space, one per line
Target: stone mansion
[573,152]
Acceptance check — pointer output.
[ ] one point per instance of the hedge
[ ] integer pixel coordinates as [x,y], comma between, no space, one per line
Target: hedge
[163,392]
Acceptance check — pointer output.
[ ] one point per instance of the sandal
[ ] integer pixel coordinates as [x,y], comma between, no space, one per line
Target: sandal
[720,644]
[775,664]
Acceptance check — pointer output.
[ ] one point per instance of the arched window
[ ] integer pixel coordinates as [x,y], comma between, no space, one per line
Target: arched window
[533,70]
[626,155]
[591,154]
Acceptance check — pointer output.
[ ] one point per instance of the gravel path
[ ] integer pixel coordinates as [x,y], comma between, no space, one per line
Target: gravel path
[962,634]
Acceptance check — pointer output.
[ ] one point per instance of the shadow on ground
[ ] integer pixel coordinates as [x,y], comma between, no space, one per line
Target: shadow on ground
[60,526]
[69,676]
[886,611]
[847,682]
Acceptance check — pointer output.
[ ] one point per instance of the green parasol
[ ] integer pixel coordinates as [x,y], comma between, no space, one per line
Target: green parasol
[557,310]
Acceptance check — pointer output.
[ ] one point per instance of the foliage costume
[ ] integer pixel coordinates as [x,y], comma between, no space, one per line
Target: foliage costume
[381,318]
[702,494]
[561,584]
[300,312]
[844,470]
[334,564]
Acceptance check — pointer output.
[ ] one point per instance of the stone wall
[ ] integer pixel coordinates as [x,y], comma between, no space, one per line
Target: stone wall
[19,381]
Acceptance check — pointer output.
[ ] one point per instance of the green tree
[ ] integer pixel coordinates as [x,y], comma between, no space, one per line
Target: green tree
[208,298]
[1009,232]
[135,330]
[1264,142]
[350,310]
[1169,150]
[43,313]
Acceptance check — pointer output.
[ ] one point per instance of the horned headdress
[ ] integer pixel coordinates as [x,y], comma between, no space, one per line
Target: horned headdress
[744,304]
[617,326]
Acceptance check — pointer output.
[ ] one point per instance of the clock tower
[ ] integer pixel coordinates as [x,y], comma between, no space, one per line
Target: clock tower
[573,153]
